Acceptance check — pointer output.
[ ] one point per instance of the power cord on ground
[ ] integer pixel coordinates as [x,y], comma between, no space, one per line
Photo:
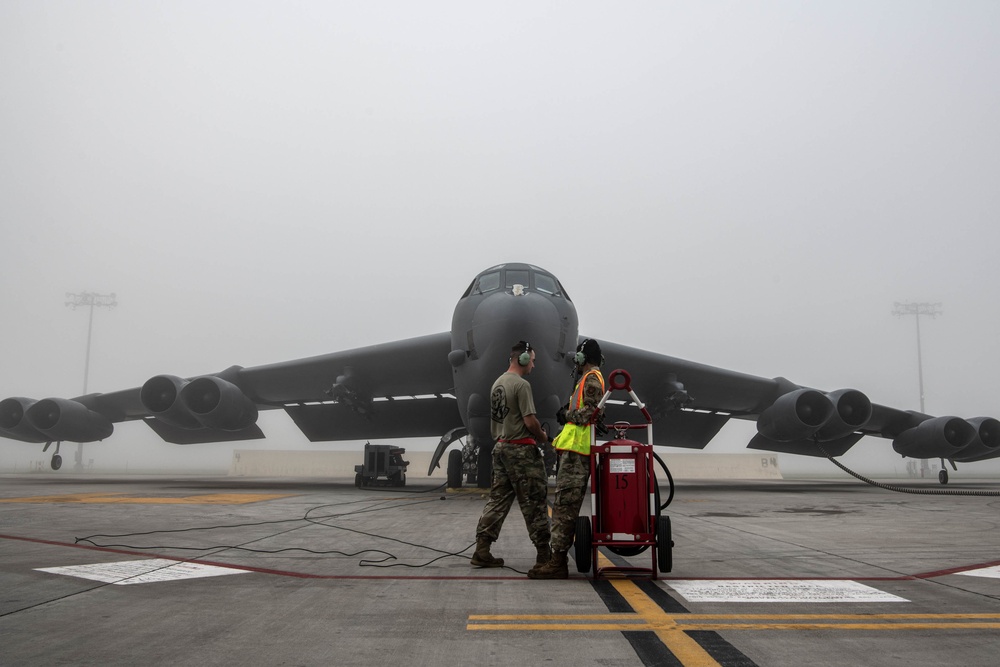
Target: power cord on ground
[903,489]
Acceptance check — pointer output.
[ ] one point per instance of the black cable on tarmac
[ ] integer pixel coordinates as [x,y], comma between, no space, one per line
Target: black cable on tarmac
[903,489]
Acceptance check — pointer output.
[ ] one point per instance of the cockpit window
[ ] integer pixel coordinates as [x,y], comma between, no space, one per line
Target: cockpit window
[487,283]
[546,284]
[515,277]
[532,279]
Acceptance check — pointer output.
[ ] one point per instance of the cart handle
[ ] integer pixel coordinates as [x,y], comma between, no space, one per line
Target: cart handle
[620,379]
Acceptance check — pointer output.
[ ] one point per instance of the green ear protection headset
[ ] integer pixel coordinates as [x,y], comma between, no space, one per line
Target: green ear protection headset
[525,357]
[580,358]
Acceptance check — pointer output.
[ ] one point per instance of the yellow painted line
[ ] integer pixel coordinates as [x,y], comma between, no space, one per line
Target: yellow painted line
[65,498]
[573,626]
[659,628]
[117,498]
[470,491]
[648,616]
[672,629]
[545,617]
[846,617]
[733,617]
[685,649]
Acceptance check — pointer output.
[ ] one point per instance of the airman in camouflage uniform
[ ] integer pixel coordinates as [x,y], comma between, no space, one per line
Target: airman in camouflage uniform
[518,468]
[574,467]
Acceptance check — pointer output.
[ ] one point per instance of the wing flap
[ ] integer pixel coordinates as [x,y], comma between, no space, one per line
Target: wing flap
[411,367]
[413,418]
[679,428]
[806,447]
[198,436]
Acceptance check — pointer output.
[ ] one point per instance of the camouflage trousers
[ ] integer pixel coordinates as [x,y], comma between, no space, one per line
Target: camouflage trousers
[518,472]
[571,487]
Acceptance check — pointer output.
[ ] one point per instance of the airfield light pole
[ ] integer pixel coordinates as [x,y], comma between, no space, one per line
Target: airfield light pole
[90,299]
[917,309]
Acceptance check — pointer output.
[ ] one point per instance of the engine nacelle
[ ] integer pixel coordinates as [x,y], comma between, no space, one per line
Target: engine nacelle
[63,419]
[940,437]
[795,415]
[986,443]
[13,423]
[159,395]
[852,410]
[216,403]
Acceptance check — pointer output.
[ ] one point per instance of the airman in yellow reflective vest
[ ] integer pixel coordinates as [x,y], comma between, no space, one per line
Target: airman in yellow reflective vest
[573,446]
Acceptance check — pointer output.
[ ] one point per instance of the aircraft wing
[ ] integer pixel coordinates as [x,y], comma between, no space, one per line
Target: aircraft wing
[397,389]
[690,402]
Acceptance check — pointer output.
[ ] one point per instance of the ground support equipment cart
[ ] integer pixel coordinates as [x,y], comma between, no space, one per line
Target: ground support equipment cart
[383,466]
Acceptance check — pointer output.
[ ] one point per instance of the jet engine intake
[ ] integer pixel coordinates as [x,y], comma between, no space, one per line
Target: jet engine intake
[795,415]
[216,403]
[63,419]
[852,410]
[986,443]
[159,396]
[940,437]
[12,420]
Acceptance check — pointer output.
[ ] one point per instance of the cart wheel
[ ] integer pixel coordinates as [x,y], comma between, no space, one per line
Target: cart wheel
[582,544]
[455,469]
[664,545]
[357,480]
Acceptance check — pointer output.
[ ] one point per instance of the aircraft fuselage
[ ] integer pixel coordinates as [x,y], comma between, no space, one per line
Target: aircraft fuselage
[495,313]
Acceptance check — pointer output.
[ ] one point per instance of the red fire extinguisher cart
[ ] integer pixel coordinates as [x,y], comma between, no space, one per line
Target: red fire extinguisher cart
[625,509]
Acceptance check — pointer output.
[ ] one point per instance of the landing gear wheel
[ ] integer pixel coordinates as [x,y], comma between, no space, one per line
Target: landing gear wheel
[455,469]
[943,476]
[56,462]
[582,544]
[664,545]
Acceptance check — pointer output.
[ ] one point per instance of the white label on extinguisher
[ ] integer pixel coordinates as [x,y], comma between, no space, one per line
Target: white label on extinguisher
[619,466]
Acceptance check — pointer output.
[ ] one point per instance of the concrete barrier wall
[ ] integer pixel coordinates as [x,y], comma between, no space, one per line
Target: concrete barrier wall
[278,463]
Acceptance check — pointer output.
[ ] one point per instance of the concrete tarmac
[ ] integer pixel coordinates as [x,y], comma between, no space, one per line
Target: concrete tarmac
[100,570]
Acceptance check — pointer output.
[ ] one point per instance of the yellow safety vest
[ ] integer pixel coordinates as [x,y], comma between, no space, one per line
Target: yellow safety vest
[573,437]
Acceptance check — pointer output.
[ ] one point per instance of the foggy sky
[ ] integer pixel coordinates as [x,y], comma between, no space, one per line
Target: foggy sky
[747,185]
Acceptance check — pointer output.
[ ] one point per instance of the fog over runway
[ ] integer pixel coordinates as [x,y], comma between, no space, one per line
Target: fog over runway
[751,186]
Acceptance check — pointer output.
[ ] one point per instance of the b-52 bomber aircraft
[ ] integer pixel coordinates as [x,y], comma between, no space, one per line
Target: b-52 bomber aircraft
[439,385]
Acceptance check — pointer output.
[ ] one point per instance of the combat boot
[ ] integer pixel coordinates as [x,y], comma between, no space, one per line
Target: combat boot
[543,557]
[556,568]
[482,556]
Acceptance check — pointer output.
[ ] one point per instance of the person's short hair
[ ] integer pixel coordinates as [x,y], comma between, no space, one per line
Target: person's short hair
[521,347]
